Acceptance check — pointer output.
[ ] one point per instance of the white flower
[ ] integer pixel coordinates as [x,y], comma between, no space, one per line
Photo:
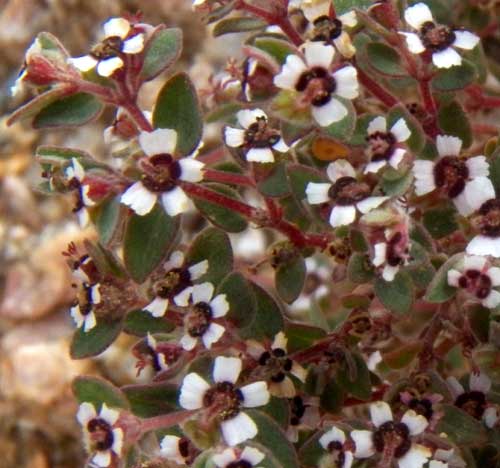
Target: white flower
[83,311]
[392,254]
[479,279]
[487,222]
[384,147]
[465,181]
[175,448]
[368,443]
[333,441]
[256,138]
[101,434]
[158,359]
[249,456]
[311,76]
[179,280]
[162,173]
[119,40]
[437,39]
[345,191]
[199,322]
[75,174]
[491,416]
[239,426]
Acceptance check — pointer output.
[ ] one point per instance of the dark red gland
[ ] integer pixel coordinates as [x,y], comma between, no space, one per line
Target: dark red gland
[450,175]
[472,402]
[380,146]
[318,84]
[174,282]
[489,218]
[395,435]
[422,406]
[239,464]
[298,410]
[101,434]
[397,252]
[476,283]
[224,399]
[348,191]
[436,37]
[259,135]
[161,173]
[326,29]
[198,319]
[336,451]
[109,47]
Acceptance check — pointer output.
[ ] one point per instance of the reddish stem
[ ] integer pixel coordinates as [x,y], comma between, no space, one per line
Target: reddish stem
[477,94]
[374,88]
[164,421]
[228,178]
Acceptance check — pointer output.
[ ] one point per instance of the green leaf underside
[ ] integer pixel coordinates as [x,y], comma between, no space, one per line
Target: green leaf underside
[237,25]
[384,59]
[94,341]
[453,120]
[163,49]
[97,391]
[290,278]
[151,400]
[242,302]
[396,295]
[140,323]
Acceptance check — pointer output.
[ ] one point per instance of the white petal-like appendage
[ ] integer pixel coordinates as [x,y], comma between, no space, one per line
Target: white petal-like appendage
[378,124]
[364,443]
[465,40]
[212,335]
[414,43]
[448,145]
[380,413]
[157,307]
[198,269]
[255,394]
[238,429]
[461,203]
[374,167]
[169,448]
[380,252]
[116,27]
[446,58]
[483,245]
[139,199]
[397,157]
[78,170]
[83,217]
[191,170]
[224,458]
[86,412]
[102,459]
[317,193]
[280,341]
[417,15]
[108,66]
[234,137]
[423,171]
[374,359]
[491,416]
[318,54]
[117,441]
[342,215]
[416,423]
[182,299]
[348,459]
[473,262]
[226,369]
[281,146]
[175,260]
[347,82]
[389,272]
[437,464]
[400,130]
[456,387]
[331,112]
[478,191]
[219,306]
[188,342]
[344,45]
[89,322]
[76,315]
[192,391]
[340,168]
[479,382]
[290,73]
[370,203]
[261,155]
[348,19]
[175,201]
[416,457]
[478,167]
[492,300]
[333,435]
[202,292]
[494,274]
[159,141]
[252,455]
[247,117]
[134,45]
[95,293]
[84,63]
[453,277]
[109,415]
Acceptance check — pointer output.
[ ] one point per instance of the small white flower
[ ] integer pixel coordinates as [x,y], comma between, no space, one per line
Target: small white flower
[249,456]
[161,175]
[158,360]
[391,254]
[83,311]
[465,181]
[345,191]
[239,426]
[101,434]
[479,279]
[256,138]
[199,322]
[75,175]
[491,416]
[474,400]
[487,242]
[311,76]
[333,441]
[108,56]
[383,146]
[175,448]
[437,39]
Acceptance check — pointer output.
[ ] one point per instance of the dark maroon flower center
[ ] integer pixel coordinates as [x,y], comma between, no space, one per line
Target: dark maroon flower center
[109,47]
[380,146]
[422,406]
[224,399]
[436,37]
[198,319]
[347,191]
[326,29]
[298,410]
[101,434]
[277,363]
[396,435]
[336,451]
[239,464]
[472,402]
[174,282]
[397,252]
[161,172]
[318,84]
[84,299]
[259,135]
[488,220]
[450,175]
[476,282]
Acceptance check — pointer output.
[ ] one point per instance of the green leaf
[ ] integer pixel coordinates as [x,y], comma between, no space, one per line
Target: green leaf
[95,341]
[439,290]
[299,176]
[360,268]
[453,120]
[140,323]
[242,302]
[301,335]
[396,295]
[276,48]
[212,245]
[457,77]
[459,426]
[440,222]
[333,397]
[357,383]
[275,183]
[344,128]
[358,137]
[177,108]
[107,218]
[394,183]
[71,111]
[290,277]
[495,170]
[344,6]
[384,59]
[151,400]
[221,216]
[97,391]
[271,436]
[161,51]
[237,25]
[278,409]
[148,240]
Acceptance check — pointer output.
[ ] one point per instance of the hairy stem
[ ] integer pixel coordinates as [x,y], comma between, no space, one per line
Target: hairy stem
[164,421]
